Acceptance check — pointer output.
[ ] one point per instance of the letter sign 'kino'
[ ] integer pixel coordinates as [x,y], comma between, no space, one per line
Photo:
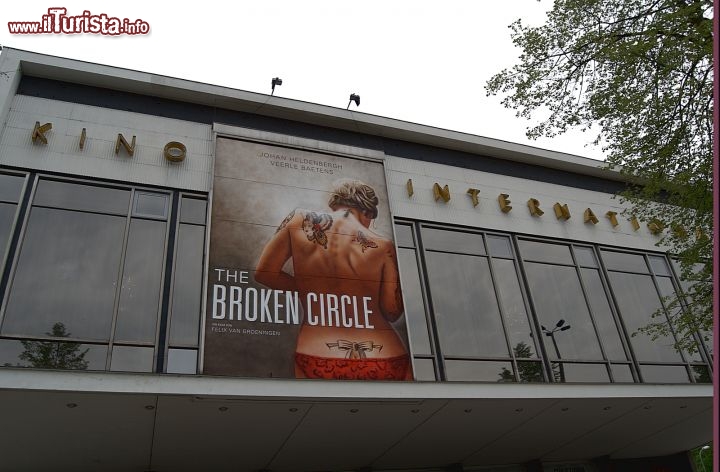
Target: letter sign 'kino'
[174,151]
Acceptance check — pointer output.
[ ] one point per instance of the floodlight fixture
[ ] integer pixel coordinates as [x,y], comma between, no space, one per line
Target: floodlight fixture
[354,98]
[275,81]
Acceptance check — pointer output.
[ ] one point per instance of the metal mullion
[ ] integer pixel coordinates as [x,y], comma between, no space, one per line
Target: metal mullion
[118,288]
[200,365]
[181,346]
[92,212]
[413,356]
[480,358]
[134,343]
[20,209]
[653,277]
[163,339]
[79,180]
[425,284]
[590,312]
[665,363]
[525,294]
[501,310]
[459,253]
[42,338]
[613,310]
[615,307]
[16,241]
[427,307]
[159,312]
[533,312]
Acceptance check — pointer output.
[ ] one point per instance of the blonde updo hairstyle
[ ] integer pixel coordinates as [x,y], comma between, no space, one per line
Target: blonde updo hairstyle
[354,194]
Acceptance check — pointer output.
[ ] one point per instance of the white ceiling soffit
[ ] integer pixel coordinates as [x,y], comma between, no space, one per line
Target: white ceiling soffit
[103,431]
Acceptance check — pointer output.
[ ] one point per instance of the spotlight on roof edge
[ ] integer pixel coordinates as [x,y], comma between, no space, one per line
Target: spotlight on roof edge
[275,81]
[354,98]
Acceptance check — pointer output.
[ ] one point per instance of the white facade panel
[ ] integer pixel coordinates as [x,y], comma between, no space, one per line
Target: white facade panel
[98,159]
[487,214]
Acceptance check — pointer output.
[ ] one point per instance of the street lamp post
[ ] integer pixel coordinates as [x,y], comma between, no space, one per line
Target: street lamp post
[559,326]
[700,459]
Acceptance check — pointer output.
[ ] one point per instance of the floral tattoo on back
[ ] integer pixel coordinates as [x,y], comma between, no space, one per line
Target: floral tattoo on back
[285,222]
[364,242]
[314,225]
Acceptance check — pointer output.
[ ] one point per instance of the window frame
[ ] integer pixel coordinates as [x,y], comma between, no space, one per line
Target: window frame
[18,234]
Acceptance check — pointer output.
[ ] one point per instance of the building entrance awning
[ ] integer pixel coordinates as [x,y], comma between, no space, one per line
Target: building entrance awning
[103,421]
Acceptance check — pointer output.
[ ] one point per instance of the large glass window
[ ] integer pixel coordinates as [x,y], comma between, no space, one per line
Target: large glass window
[476,309]
[641,283]
[87,289]
[579,330]
[479,314]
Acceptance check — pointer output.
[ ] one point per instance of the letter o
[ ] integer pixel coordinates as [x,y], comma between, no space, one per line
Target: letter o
[175,151]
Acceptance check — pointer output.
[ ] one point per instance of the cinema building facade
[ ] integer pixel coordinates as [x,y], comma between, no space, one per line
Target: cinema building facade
[179,260]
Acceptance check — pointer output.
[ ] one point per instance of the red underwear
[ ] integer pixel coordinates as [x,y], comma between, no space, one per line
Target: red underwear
[391,368]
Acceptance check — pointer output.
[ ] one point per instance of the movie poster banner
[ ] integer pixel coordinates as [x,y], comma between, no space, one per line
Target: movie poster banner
[303,276]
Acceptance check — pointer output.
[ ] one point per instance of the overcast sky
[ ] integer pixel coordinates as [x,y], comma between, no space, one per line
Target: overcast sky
[421,61]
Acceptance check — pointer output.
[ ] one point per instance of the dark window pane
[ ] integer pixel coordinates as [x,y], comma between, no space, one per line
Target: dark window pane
[585,256]
[67,272]
[637,300]
[82,197]
[192,210]
[452,241]
[11,187]
[466,310]
[187,285]
[545,252]
[664,374]
[52,355]
[132,359]
[404,235]
[516,321]
[7,217]
[624,261]
[570,372]
[499,246]
[141,282]
[424,369]
[558,296]
[414,305]
[659,265]
[480,371]
[622,373]
[530,371]
[667,290]
[182,361]
[604,320]
[701,374]
[151,204]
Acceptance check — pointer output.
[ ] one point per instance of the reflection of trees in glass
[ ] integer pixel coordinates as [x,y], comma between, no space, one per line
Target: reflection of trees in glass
[55,354]
[529,371]
[701,374]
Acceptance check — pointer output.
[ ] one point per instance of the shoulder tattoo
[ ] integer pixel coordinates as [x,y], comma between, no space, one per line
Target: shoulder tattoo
[364,242]
[314,225]
[285,221]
